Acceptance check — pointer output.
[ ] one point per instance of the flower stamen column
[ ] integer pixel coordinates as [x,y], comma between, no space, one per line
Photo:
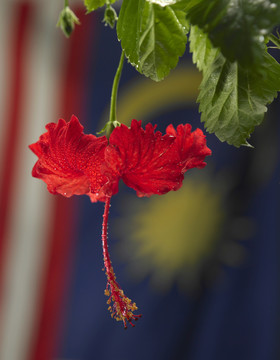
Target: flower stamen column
[120,306]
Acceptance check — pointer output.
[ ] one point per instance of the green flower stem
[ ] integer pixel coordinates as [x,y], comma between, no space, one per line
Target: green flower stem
[275,40]
[66,3]
[111,124]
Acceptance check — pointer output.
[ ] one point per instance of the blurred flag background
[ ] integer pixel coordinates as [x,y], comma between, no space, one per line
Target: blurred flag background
[202,263]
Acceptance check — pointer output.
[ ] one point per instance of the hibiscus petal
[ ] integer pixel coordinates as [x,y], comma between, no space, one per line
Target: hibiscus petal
[190,146]
[152,163]
[71,163]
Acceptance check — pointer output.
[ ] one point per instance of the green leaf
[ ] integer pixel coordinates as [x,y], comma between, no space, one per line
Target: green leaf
[153,37]
[232,98]
[92,5]
[203,51]
[237,27]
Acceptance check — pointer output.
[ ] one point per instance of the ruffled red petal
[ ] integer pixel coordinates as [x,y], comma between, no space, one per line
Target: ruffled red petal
[152,163]
[72,163]
[190,147]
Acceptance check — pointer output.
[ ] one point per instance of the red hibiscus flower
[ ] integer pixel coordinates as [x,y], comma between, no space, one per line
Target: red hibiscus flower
[72,163]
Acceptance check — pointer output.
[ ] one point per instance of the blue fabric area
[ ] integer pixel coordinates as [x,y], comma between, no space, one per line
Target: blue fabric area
[236,318]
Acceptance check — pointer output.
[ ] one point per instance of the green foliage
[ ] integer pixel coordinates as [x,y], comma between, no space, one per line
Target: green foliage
[153,37]
[92,5]
[203,51]
[237,27]
[232,98]
[228,41]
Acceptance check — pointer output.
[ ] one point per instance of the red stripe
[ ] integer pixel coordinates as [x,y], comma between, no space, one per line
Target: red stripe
[62,239]
[22,15]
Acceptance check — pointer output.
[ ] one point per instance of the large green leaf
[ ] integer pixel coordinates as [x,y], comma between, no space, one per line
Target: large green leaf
[232,98]
[92,5]
[237,27]
[202,49]
[153,37]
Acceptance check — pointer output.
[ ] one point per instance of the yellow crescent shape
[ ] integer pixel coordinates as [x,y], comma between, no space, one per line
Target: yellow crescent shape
[143,98]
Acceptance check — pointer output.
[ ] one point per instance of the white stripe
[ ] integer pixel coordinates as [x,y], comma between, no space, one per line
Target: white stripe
[31,204]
